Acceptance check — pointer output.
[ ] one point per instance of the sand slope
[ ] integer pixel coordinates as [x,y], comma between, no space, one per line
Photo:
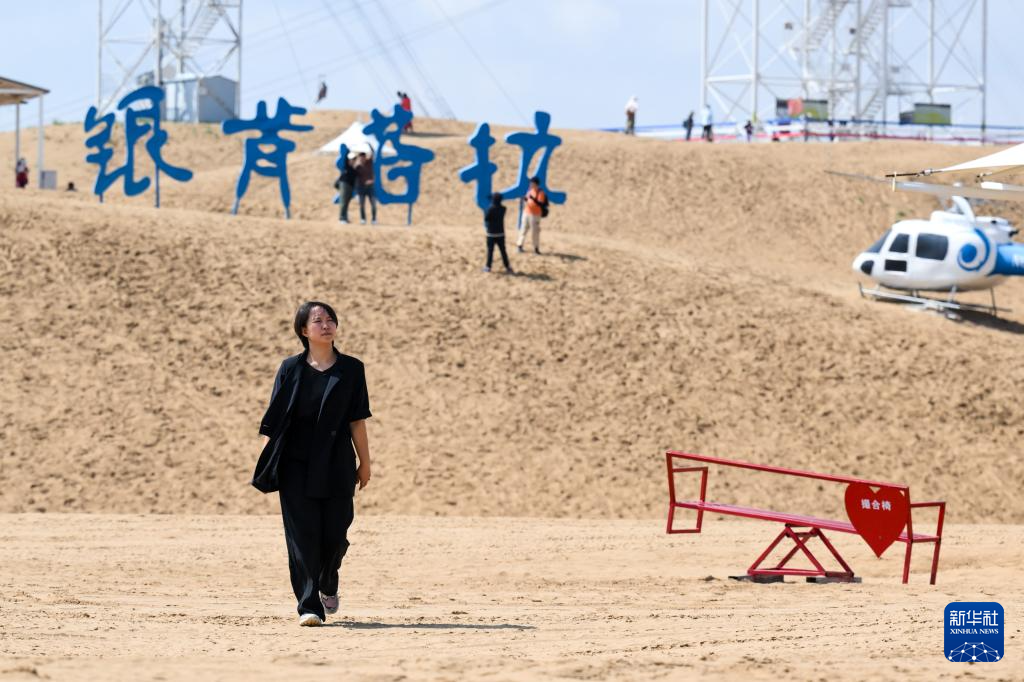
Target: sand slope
[694,297]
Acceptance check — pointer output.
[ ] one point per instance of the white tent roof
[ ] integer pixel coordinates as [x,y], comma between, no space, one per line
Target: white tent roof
[356,140]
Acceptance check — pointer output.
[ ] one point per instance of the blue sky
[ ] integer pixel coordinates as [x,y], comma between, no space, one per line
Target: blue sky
[497,60]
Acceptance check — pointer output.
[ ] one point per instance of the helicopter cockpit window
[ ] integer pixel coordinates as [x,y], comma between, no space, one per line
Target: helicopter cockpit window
[896,265]
[877,246]
[900,243]
[933,246]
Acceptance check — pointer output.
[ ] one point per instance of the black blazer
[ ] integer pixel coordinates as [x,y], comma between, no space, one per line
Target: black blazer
[331,467]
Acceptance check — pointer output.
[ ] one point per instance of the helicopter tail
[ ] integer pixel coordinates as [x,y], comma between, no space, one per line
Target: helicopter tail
[1009,259]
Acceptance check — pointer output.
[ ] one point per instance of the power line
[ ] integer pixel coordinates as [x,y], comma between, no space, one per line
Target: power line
[291,47]
[416,34]
[432,91]
[360,54]
[480,61]
[379,43]
[367,63]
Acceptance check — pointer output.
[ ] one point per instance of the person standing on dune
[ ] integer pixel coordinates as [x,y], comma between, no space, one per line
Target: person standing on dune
[688,125]
[632,106]
[405,102]
[494,226]
[364,187]
[536,207]
[707,122]
[346,185]
[317,415]
[21,174]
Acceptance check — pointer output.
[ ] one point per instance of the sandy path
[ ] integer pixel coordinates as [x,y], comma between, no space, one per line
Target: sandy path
[86,597]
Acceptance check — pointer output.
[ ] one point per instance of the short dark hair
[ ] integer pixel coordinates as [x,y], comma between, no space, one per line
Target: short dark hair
[496,198]
[302,318]
[535,179]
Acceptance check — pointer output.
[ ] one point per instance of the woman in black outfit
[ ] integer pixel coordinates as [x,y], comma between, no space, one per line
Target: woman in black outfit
[317,413]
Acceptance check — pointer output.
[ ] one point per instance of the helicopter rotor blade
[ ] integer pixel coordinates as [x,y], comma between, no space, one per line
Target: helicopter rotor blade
[988,190]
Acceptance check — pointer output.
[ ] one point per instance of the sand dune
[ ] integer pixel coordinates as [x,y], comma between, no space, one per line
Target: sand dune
[694,297]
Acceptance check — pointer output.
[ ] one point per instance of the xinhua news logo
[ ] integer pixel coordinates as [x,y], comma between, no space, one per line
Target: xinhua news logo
[974,632]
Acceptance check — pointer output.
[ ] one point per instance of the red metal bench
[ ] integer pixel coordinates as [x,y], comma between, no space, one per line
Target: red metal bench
[813,526]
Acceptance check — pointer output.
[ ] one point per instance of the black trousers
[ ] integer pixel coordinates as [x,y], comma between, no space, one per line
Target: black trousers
[316,531]
[344,199]
[366,192]
[500,243]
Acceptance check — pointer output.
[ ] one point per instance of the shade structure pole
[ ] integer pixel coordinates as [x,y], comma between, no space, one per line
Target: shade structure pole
[17,135]
[41,139]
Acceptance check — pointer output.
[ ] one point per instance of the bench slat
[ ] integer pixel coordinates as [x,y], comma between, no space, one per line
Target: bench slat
[793,519]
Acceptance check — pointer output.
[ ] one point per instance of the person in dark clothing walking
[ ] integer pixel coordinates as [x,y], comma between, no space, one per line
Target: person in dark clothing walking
[688,125]
[317,415]
[345,184]
[494,225]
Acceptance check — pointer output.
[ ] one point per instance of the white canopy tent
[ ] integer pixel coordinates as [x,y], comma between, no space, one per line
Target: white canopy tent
[18,93]
[356,140]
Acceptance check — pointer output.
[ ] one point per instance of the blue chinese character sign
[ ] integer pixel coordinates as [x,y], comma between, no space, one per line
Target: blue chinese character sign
[482,170]
[255,158]
[529,144]
[139,122]
[973,632]
[389,129]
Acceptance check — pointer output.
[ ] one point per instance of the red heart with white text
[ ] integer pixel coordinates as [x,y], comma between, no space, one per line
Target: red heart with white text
[877,515]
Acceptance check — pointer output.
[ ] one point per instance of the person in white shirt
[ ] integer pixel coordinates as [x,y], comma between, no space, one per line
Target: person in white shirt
[706,121]
[631,108]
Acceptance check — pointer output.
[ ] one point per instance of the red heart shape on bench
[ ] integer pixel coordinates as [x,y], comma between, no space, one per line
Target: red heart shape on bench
[877,516]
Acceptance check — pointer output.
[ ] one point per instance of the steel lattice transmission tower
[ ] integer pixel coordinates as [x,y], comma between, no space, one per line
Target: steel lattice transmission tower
[164,42]
[856,54]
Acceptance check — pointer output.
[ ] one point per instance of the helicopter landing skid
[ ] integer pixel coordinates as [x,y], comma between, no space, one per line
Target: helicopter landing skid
[949,306]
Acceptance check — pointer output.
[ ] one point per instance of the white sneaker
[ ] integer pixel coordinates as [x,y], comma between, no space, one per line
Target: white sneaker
[330,603]
[310,620]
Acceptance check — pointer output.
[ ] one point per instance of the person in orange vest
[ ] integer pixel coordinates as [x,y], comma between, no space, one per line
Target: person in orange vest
[535,208]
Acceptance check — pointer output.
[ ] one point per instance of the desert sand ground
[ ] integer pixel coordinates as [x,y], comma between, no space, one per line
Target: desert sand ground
[168,597]
[695,297]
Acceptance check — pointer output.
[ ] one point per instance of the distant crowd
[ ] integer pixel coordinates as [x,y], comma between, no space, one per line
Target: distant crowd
[707,125]
[357,177]
[706,121]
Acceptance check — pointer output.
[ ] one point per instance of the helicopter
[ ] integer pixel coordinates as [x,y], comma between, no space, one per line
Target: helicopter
[951,252]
